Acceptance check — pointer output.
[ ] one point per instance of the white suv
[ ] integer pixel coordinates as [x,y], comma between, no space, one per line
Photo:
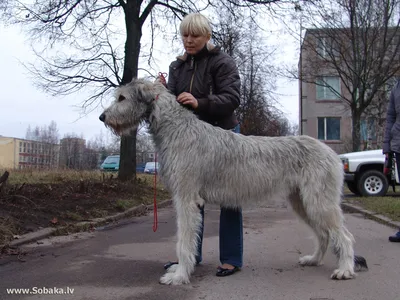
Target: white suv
[364,173]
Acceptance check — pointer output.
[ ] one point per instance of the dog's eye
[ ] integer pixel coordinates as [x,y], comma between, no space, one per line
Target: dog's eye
[121,98]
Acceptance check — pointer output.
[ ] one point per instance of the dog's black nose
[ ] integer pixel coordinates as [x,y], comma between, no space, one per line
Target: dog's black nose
[102,117]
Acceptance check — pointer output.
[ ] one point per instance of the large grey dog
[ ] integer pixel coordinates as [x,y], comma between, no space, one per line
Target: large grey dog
[200,163]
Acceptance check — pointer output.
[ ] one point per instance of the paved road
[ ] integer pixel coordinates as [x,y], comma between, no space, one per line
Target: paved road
[125,262]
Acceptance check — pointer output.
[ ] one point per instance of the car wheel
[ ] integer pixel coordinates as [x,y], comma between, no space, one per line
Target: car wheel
[373,183]
[353,188]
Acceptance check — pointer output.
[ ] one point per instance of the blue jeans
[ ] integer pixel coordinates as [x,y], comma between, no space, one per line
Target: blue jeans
[230,234]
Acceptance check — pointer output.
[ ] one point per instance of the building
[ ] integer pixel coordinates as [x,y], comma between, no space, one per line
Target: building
[71,153]
[21,154]
[145,156]
[323,112]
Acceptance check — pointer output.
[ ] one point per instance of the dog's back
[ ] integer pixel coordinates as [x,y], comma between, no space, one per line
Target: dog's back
[236,170]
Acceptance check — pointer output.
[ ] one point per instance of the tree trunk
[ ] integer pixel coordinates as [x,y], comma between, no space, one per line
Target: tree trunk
[356,130]
[369,122]
[127,167]
[127,164]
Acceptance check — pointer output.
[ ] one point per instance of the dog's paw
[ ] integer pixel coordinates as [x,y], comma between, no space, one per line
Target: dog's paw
[173,279]
[172,268]
[343,274]
[308,260]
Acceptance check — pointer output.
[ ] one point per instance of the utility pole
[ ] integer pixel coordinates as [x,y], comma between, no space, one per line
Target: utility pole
[298,9]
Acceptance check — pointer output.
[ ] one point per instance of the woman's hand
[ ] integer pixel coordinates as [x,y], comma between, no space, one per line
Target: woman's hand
[187,99]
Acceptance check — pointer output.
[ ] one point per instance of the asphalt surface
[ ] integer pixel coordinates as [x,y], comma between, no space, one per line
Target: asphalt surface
[125,262]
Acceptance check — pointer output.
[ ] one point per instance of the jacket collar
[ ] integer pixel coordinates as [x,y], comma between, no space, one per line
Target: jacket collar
[208,49]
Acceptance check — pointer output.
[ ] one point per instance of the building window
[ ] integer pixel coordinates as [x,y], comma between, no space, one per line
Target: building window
[368,129]
[322,47]
[328,88]
[329,129]
[327,47]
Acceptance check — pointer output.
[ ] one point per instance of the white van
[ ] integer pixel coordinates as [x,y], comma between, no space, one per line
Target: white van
[151,167]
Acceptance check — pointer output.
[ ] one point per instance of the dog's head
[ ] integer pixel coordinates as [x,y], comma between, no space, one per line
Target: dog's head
[132,105]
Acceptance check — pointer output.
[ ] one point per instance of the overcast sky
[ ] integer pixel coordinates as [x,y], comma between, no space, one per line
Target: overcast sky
[23,104]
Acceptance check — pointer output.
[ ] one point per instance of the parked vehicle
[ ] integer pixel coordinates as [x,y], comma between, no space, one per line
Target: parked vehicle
[111,163]
[151,167]
[365,173]
[140,167]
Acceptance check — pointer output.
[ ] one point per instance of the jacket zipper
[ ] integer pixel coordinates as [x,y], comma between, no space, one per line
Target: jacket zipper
[194,71]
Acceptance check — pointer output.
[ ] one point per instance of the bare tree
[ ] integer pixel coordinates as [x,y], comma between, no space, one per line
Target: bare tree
[92,31]
[239,35]
[293,129]
[358,42]
[72,150]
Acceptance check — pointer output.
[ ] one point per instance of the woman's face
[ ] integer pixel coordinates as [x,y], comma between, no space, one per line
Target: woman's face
[194,43]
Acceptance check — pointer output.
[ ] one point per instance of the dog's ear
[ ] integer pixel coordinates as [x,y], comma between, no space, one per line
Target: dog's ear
[145,91]
[120,94]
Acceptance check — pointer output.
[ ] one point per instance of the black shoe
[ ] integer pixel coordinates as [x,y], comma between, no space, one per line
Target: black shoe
[395,238]
[169,264]
[226,272]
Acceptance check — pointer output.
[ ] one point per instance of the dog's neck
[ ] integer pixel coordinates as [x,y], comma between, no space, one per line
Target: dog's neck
[167,118]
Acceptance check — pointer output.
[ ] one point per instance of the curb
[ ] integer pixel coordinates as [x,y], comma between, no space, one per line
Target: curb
[351,208]
[141,209]
[49,231]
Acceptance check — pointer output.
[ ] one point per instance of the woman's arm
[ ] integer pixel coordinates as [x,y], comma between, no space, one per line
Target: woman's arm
[225,97]
[390,120]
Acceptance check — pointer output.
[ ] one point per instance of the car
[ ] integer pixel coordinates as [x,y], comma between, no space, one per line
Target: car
[111,163]
[151,167]
[140,167]
[365,173]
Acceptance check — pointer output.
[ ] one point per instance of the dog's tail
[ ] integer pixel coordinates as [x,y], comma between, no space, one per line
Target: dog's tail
[360,263]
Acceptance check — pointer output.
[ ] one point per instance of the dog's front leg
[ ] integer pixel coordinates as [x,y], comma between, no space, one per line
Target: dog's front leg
[189,222]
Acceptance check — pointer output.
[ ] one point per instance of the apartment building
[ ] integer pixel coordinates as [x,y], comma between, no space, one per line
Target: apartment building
[18,153]
[323,112]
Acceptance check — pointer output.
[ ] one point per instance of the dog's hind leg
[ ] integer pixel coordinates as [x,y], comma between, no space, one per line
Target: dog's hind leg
[322,241]
[189,223]
[325,215]
[342,242]
[320,249]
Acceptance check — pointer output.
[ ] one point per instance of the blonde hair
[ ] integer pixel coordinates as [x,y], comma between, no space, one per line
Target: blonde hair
[195,24]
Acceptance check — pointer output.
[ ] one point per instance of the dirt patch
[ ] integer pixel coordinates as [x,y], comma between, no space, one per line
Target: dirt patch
[27,207]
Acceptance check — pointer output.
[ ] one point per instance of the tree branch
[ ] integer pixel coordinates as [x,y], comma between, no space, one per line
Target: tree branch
[147,11]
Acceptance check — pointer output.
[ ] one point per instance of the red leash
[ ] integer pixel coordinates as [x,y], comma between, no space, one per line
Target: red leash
[162,77]
[155,221]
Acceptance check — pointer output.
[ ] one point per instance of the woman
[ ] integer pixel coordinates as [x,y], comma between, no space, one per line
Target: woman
[206,81]
[391,140]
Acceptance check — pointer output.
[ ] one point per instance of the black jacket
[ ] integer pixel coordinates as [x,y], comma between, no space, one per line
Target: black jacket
[391,140]
[212,77]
